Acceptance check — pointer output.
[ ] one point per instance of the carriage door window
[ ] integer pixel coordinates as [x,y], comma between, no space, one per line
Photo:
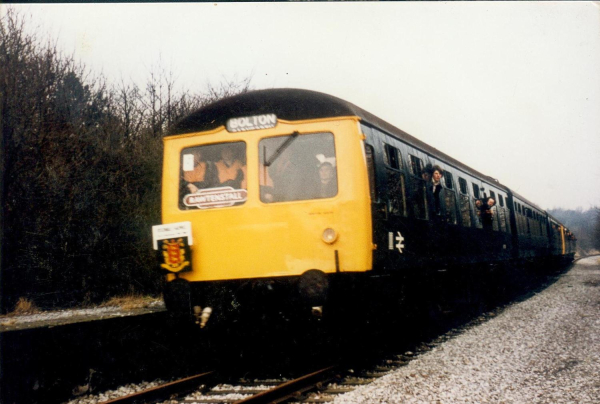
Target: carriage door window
[395,181]
[213,176]
[450,198]
[502,213]
[419,195]
[297,167]
[476,196]
[369,156]
[465,209]
[494,210]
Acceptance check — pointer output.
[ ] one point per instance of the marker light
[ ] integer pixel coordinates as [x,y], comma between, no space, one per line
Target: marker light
[329,236]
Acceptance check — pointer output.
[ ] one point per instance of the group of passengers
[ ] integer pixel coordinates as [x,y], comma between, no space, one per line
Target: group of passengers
[433,176]
[282,180]
[227,171]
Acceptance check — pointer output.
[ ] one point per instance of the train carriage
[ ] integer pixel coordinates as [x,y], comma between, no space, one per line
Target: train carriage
[286,197]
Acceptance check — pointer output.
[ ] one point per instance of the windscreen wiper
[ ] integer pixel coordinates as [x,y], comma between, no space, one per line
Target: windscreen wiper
[280,149]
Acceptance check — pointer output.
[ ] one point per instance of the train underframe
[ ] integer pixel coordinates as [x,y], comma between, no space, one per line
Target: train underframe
[353,296]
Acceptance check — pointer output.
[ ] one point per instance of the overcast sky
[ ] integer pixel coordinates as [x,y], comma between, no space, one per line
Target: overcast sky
[512,89]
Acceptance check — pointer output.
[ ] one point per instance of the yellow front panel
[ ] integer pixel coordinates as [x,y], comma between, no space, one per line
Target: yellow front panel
[258,239]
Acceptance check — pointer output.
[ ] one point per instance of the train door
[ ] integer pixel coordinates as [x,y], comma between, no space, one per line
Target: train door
[447,223]
[386,165]
[419,213]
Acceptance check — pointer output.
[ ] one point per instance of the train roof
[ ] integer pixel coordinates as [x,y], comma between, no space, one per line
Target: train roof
[298,104]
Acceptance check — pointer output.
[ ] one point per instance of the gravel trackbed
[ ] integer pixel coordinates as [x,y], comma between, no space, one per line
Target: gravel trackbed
[543,350]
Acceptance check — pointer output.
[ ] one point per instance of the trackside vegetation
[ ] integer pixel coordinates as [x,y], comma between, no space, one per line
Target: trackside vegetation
[81,166]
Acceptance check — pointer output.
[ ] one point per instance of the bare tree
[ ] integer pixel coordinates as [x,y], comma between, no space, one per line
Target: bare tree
[81,164]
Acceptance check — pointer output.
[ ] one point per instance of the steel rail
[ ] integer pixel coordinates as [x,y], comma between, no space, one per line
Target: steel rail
[290,388]
[164,391]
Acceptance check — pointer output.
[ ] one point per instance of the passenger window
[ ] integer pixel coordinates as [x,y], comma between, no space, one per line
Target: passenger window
[465,208]
[501,200]
[396,186]
[475,190]
[493,195]
[448,180]
[416,166]
[396,191]
[462,183]
[419,195]
[450,201]
[392,157]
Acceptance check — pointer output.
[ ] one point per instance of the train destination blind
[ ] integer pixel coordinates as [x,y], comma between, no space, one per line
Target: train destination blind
[252,123]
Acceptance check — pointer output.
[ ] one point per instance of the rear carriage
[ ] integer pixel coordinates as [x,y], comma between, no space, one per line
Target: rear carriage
[281,229]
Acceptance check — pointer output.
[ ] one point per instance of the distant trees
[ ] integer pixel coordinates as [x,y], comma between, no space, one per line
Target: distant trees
[81,164]
[584,224]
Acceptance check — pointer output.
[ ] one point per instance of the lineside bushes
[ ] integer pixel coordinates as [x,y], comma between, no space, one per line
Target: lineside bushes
[81,171]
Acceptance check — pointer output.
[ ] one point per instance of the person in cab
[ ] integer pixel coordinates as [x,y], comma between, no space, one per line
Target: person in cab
[328,182]
[202,175]
[230,170]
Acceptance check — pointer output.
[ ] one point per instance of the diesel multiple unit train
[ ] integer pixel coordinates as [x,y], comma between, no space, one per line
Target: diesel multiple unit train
[293,198]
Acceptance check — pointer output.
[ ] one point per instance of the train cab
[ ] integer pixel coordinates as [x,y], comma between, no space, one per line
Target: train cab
[265,206]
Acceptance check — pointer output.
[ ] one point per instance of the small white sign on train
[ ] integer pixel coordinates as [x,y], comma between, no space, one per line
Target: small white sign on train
[171,230]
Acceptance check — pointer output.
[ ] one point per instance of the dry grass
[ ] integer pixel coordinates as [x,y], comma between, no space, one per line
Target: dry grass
[24,306]
[129,302]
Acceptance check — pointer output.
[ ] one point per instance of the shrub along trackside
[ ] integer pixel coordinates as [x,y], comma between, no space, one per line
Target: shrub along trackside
[81,165]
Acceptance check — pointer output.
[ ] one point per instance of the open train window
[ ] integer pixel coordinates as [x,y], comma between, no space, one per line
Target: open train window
[416,166]
[448,180]
[462,183]
[501,200]
[493,195]
[475,190]
[392,157]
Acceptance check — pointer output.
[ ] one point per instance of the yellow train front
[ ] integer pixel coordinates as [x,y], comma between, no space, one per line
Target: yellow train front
[265,206]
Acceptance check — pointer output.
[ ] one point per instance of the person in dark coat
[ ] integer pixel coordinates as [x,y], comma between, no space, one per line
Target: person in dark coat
[485,212]
[434,190]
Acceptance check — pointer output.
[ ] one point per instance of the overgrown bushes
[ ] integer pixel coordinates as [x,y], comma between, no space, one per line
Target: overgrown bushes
[81,165]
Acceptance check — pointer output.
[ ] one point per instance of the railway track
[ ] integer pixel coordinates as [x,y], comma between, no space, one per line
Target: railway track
[321,386]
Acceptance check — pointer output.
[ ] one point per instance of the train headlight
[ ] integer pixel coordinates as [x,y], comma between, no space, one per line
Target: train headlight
[329,236]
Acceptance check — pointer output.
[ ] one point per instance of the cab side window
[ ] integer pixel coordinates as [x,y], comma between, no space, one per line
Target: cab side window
[370,157]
